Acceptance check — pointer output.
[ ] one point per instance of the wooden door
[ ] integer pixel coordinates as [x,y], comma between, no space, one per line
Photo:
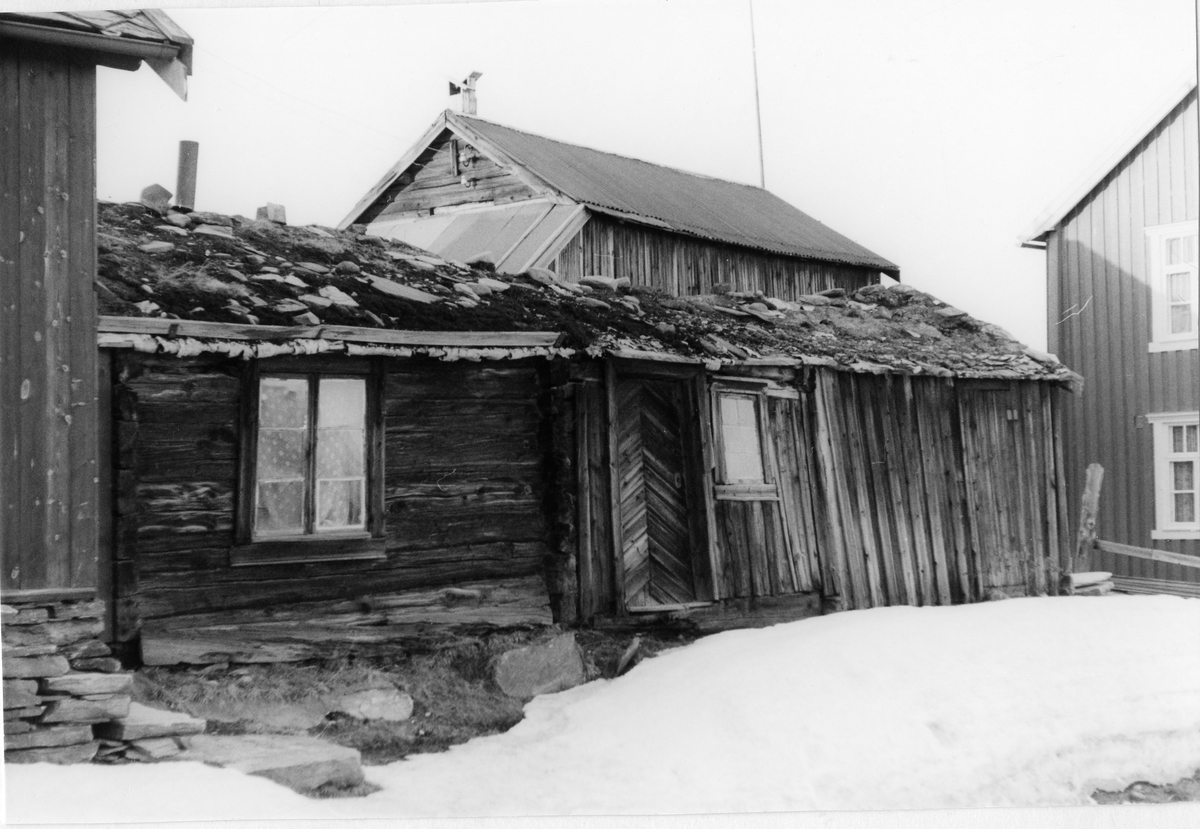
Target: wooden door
[660,556]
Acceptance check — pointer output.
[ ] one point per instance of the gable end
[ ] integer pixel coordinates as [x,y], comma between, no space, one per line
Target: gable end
[449,171]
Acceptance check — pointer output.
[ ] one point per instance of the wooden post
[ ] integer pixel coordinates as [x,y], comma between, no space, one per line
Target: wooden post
[1087,517]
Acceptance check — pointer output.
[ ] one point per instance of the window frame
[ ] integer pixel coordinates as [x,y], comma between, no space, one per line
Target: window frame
[723,489]
[1164,528]
[1161,338]
[355,544]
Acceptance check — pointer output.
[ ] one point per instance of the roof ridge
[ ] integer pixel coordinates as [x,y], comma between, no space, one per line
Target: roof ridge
[1111,157]
[611,153]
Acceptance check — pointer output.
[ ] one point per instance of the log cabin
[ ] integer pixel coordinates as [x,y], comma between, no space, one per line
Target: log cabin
[473,189]
[1123,301]
[318,426]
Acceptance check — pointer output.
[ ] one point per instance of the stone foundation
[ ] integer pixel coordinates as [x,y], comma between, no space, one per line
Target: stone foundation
[60,680]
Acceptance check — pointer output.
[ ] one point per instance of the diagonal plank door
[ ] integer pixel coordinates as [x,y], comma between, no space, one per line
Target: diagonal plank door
[656,538]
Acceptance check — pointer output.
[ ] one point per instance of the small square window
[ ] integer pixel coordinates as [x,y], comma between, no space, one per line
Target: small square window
[1174,285]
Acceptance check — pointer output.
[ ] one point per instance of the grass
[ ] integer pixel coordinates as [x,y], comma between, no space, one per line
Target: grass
[454,697]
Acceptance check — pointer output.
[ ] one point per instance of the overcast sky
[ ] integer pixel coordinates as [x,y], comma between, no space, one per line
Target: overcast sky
[932,131]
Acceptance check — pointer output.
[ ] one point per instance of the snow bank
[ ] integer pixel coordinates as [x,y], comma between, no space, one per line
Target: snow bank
[1026,702]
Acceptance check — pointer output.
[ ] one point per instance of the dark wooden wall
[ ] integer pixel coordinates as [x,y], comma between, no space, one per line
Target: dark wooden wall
[1099,309]
[432,182]
[48,427]
[889,490]
[682,265]
[464,490]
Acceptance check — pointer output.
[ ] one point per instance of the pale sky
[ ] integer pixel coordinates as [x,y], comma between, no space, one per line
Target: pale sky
[932,131]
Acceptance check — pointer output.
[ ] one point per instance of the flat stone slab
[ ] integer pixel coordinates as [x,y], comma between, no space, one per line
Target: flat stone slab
[64,735]
[542,668]
[83,684]
[34,667]
[145,723]
[300,763]
[62,755]
[387,704]
[73,710]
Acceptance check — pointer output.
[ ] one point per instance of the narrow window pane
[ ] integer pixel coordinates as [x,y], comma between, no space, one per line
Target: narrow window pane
[1183,476]
[1174,251]
[280,507]
[283,402]
[339,504]
[282,453]
[1192,439]
[740,439]
[341,404]
[1176,438]
[341,453]
[1181,319]
[1179,287]
[1185,508]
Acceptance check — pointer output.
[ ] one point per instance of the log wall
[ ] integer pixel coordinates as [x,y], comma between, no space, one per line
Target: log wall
[48,426]
[466,462]
[682,265]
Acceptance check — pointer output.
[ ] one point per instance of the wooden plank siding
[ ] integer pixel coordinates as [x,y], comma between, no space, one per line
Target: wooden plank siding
[1100,325]
[48,409]
[682,265]
[438,182]
[464,472]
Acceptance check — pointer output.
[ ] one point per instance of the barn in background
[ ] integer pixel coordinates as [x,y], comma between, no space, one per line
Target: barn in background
[472,189]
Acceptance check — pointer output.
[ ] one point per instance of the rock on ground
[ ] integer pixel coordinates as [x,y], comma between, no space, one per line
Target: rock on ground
[542,668]
[143,723]
[300,763]
[377,704]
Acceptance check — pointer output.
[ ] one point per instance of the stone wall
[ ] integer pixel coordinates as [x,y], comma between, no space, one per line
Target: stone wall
[60,680]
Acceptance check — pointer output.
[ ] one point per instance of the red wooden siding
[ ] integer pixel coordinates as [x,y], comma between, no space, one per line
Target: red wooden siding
[1100,326]
[48,426]
[681,265]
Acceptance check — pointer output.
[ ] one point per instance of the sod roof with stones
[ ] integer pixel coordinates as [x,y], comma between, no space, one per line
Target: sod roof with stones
[213,268]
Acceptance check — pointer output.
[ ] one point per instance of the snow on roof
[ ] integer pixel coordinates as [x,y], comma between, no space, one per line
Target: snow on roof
[264,277]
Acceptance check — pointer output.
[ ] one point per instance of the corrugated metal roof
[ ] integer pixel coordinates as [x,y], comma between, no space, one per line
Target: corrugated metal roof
[698,205]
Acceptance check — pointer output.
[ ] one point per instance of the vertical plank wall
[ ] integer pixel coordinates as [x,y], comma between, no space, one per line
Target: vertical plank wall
[1099,283]
[680,265]
[891,490]
[48,427]
[936,491]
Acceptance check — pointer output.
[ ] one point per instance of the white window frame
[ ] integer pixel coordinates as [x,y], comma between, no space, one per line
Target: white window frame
[1161,338]
[1164,527]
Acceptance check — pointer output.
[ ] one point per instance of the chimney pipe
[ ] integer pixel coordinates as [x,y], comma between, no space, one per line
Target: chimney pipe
[189,155]
[468,93]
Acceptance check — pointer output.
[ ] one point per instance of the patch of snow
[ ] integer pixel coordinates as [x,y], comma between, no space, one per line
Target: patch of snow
[1028,702]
